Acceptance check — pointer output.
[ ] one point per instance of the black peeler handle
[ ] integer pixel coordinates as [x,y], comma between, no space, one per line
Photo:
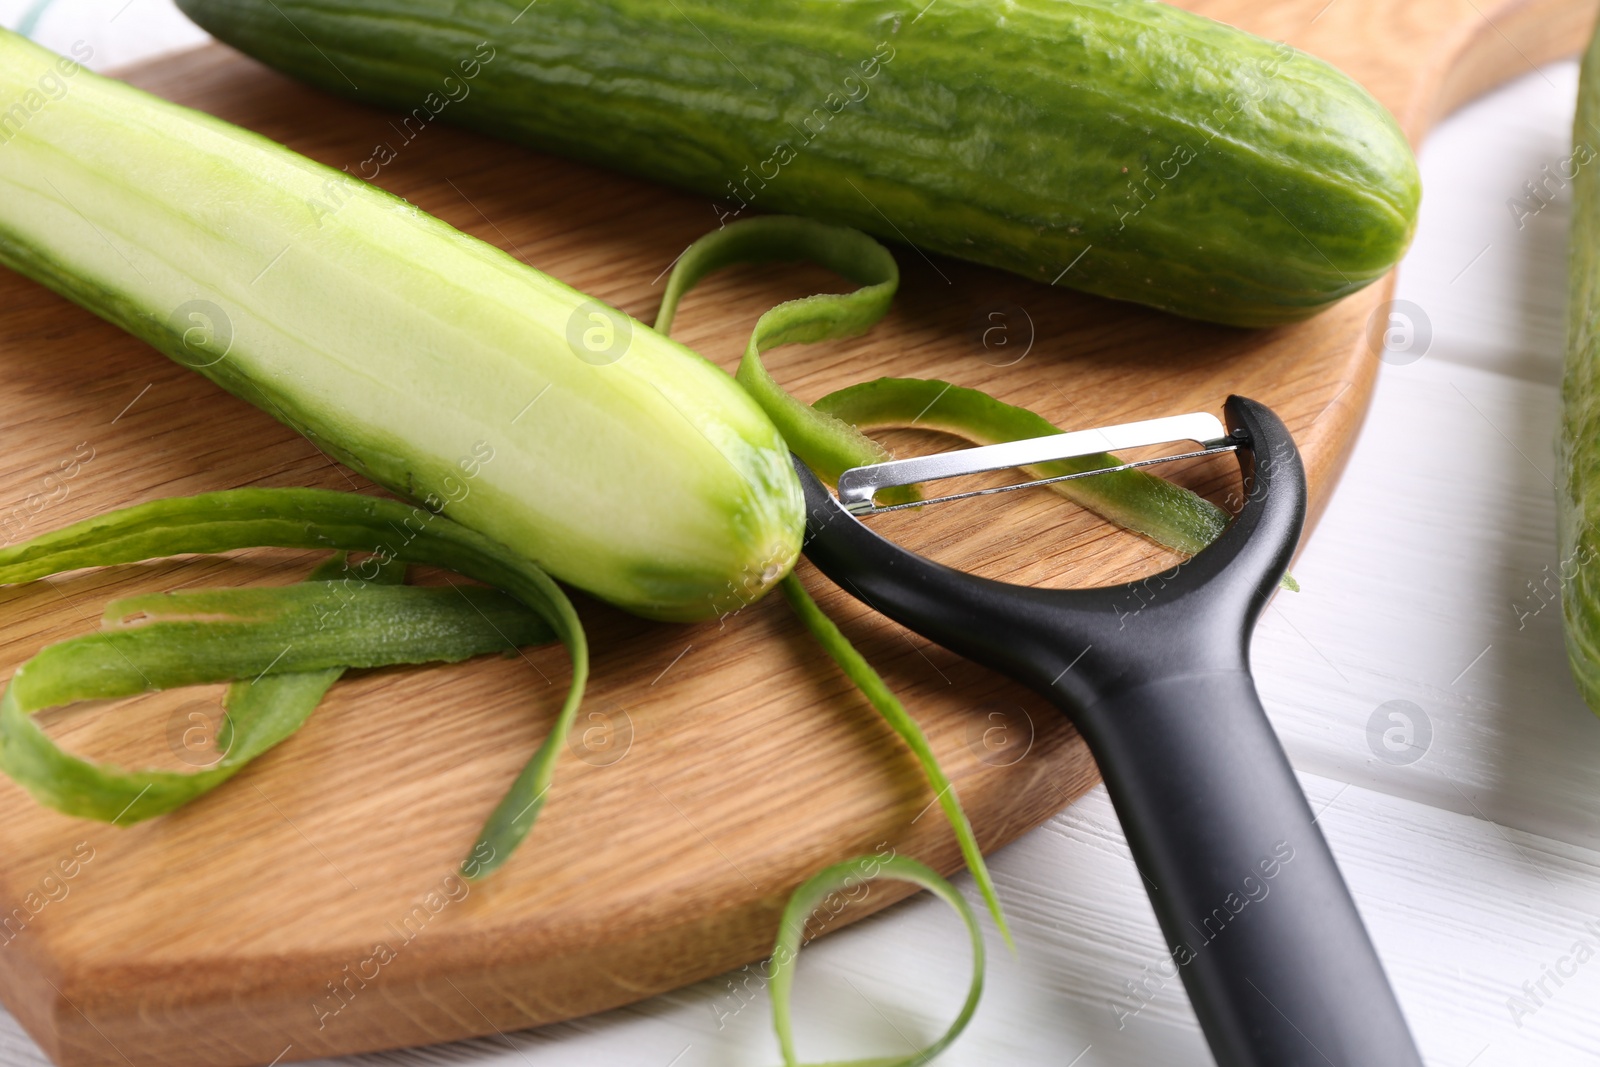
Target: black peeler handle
[1276,961]
[1155,675]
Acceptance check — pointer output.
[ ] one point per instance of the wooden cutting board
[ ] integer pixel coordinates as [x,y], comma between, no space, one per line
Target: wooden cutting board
[720,764]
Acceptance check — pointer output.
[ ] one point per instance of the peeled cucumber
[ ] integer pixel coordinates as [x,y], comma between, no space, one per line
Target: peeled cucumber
[437,365]
[1123,147]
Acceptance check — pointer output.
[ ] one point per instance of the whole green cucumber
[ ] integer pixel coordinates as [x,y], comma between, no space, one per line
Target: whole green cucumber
[1122,147]
[1578,498]
[436,364]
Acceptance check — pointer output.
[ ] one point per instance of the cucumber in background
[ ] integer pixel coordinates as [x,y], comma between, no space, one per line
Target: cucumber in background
[1578,499]
[1121,147]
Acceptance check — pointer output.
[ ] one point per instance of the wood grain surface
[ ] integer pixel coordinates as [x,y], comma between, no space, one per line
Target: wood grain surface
[723,763]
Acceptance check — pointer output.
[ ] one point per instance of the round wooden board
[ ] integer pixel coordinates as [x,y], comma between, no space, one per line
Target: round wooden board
[722,763]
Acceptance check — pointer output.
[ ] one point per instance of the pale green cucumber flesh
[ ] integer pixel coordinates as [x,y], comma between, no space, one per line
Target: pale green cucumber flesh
[1049,138]
[432,362]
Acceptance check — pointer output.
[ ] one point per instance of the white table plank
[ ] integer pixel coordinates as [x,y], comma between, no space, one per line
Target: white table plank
[120,32]
[1431,578]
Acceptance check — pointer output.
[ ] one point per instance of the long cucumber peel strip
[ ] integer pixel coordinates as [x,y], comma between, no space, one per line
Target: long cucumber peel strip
[843,879]
[318,518]
[257,715]
[291,644]
[232,630]
[859,671]
[829,446]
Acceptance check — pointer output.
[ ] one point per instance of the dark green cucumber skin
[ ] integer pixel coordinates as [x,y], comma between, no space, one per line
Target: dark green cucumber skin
[1578,498]
[1163,157]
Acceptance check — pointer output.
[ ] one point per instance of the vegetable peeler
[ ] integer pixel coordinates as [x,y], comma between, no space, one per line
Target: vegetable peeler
[1155,675]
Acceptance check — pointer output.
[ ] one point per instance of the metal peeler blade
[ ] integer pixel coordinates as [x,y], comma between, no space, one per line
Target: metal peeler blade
[1155,674]
[859,486]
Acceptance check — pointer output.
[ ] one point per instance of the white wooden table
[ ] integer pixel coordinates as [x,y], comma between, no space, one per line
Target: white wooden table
[1474,854]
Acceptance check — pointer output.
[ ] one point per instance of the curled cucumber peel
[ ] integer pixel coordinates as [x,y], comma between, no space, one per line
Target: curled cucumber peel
[381,623]
[842,880]
[279,641]
[883,700]
[828,445]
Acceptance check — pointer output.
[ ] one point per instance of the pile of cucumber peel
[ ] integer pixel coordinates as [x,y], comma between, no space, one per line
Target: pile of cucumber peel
[347,313]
